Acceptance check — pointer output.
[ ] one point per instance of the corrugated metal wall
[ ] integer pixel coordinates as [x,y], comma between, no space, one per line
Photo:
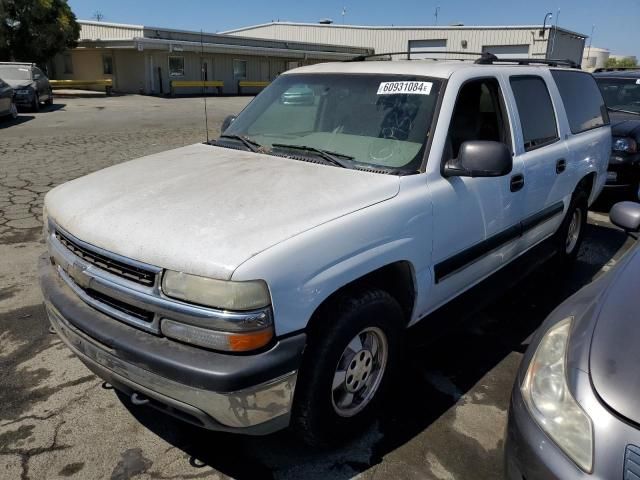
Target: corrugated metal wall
[397,39]
[109,31]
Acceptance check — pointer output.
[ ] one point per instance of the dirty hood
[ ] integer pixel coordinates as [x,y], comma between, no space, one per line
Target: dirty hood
[205,210]
[615,347]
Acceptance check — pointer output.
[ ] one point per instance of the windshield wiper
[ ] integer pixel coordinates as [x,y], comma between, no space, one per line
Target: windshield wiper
[250,144]
[331,157]
[622,111]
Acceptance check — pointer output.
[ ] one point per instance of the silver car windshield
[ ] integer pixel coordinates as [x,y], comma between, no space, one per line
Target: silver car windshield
[369,121]
[15,72]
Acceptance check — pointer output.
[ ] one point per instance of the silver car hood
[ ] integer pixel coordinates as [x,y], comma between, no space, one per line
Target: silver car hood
[205,210]
[615,347]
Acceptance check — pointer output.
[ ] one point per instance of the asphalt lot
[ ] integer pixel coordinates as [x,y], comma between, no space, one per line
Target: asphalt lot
[56,421]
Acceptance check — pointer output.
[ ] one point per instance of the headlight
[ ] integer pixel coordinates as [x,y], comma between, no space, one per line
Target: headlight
[222,294]
[550,402]
[23,91]
[627,145]
[245,320]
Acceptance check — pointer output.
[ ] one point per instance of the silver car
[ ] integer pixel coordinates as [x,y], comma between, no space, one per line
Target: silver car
[574,409]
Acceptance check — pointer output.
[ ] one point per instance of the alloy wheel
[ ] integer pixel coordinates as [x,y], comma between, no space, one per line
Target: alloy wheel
[359,372]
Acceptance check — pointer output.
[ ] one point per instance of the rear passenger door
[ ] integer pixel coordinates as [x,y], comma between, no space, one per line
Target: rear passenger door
[543,152]
[588,134]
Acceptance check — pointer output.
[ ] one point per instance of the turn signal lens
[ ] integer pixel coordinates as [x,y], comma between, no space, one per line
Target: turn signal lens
[215,339]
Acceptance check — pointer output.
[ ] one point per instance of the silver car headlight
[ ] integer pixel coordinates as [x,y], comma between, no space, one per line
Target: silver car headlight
[245,319]
[627,145]
[550,402]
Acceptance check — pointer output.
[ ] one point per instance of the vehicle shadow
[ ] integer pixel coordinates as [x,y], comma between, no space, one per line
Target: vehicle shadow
[485,326]
[11,122]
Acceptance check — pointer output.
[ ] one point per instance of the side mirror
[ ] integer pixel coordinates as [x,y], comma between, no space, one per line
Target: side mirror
[626,215]
[227,122]
[480,158]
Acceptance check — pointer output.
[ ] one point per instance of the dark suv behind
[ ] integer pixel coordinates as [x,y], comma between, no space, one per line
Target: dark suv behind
[30,84]
[621,92]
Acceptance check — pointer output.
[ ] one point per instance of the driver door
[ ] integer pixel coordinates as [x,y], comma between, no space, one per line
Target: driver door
[475,220]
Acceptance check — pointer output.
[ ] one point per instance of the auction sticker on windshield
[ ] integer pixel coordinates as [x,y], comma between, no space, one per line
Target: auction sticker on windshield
[403,88]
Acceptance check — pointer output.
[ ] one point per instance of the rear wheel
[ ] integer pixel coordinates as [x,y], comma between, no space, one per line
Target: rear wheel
[351,355]
[571,232]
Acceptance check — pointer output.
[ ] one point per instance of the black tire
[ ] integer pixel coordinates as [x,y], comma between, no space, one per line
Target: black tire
[568,248]
[13,111]
[35,105]
[315,417]
[49,100]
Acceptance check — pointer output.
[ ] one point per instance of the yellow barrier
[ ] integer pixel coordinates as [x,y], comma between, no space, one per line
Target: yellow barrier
[196,84]
[251,84]
[107,83]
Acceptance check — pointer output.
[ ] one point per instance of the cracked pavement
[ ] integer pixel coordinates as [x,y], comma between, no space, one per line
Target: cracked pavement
[446,420]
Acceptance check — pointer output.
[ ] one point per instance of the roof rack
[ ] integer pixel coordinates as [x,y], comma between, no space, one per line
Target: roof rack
[30,64]
[362,58]
[485,58]
[615,69]
[488,58]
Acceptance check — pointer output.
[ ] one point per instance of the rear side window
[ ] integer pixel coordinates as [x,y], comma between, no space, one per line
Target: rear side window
[537,118]
[582,100]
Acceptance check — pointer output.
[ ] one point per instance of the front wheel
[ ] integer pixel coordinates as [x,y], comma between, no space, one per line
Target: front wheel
[571,232]
[352,352]
[49,100]
[13,111]
[35,105]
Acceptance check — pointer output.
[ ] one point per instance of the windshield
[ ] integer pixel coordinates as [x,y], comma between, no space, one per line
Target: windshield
[14,72]
[366,121]
[621,93]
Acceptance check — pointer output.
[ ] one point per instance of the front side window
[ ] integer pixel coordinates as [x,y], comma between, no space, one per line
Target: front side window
[582,100]
[477,115]
[176,66]
[621,94]
[368,120]
[107,65]
[537,117]
[240,69]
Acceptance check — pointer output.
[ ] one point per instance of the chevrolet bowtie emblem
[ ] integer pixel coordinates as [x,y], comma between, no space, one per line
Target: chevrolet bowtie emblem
[76,272]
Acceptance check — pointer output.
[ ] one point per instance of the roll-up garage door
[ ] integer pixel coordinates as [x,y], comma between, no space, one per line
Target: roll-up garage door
[508,51]
[427,49]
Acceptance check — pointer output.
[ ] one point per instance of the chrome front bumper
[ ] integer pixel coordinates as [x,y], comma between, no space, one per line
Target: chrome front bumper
[257,409]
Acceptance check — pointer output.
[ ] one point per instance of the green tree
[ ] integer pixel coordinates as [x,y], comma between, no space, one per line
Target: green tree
[622,62]
[35,30]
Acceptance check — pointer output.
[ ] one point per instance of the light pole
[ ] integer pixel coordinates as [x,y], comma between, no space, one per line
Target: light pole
[593,27]
[549,15]
[436,13]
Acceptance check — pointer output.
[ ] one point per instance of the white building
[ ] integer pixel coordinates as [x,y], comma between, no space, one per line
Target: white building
[515,41]
[141,59]
[595,57]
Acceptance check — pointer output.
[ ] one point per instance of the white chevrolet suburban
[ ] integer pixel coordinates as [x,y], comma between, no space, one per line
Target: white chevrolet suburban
[265,279]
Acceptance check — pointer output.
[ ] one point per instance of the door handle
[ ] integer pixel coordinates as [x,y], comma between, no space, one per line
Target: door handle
[517,182]
[561,166]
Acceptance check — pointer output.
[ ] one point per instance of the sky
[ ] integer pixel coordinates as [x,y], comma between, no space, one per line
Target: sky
[617,22]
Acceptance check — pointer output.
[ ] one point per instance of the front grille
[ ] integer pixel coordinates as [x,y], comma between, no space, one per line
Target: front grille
[125,308]
[121,269]
[632,463]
